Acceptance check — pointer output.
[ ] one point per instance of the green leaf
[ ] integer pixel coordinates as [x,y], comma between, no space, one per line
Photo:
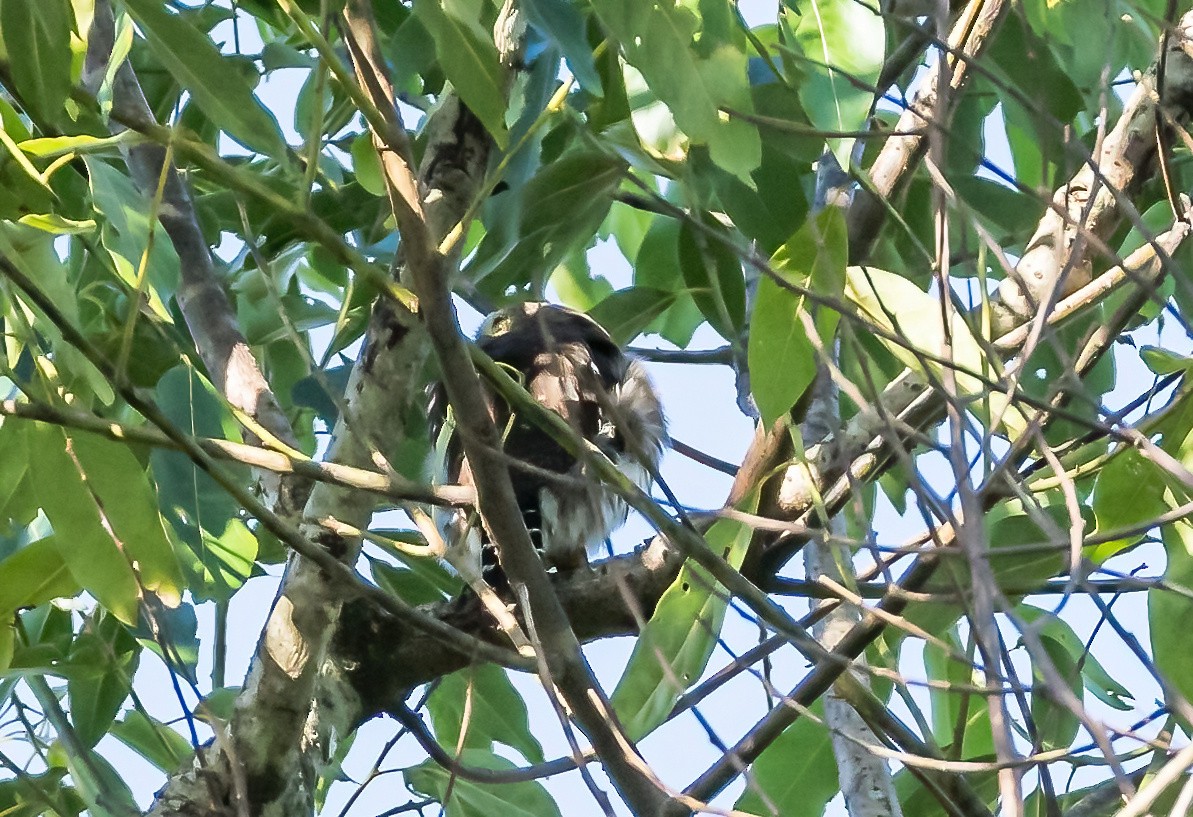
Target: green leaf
[561,208]
[17,502]
[844,44]
[121,487]
[1164,362]
[103,790]
[420,581]
[697,66]
[781,357]
[1027,62]
[1056,725]
[923,802]
[1176,428]
[315,392]
[219,705]
[628,227]
[152,740]
[1129,492]
[177,629]
[34,575]
[332,770]
[1093,676]
[1169,613]
[22,188]
[31,795]
[217,564]
[656,266]
[22,161]
[564,24]
[37,38]
[1009,526]
[711,267]
[468,799]
[215,82]
[797,773]
[573,281]
[8,643]
[52,146]
[127,229]
[768,213]
[1005,212]
[103,660]
[627,313]
[957,708]
[122,46]
[367,165]
[496,712]
[1010,530]
[33,252]
[49,628]
[92,549]
[469,58]
[674,647]
[217,550]
[57,225]
[645,132]
[280,54]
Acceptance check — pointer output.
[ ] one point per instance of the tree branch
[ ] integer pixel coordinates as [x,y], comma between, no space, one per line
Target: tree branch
[967,41]
[1089,206]
[280,461]
[557,646]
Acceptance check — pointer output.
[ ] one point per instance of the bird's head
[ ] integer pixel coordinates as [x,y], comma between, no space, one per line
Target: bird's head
[543,319]
[540,326]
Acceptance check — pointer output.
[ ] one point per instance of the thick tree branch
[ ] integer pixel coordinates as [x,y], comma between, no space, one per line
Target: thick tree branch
[387,657]
[1055,262]
[866,781]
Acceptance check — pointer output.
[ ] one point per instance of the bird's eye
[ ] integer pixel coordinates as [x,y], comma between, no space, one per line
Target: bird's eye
[496,325]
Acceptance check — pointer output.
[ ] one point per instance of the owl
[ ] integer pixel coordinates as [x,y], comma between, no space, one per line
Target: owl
[571,366]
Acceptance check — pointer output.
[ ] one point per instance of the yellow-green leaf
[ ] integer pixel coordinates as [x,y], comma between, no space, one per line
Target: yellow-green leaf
[914,317]
[106,526]
[34,575]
